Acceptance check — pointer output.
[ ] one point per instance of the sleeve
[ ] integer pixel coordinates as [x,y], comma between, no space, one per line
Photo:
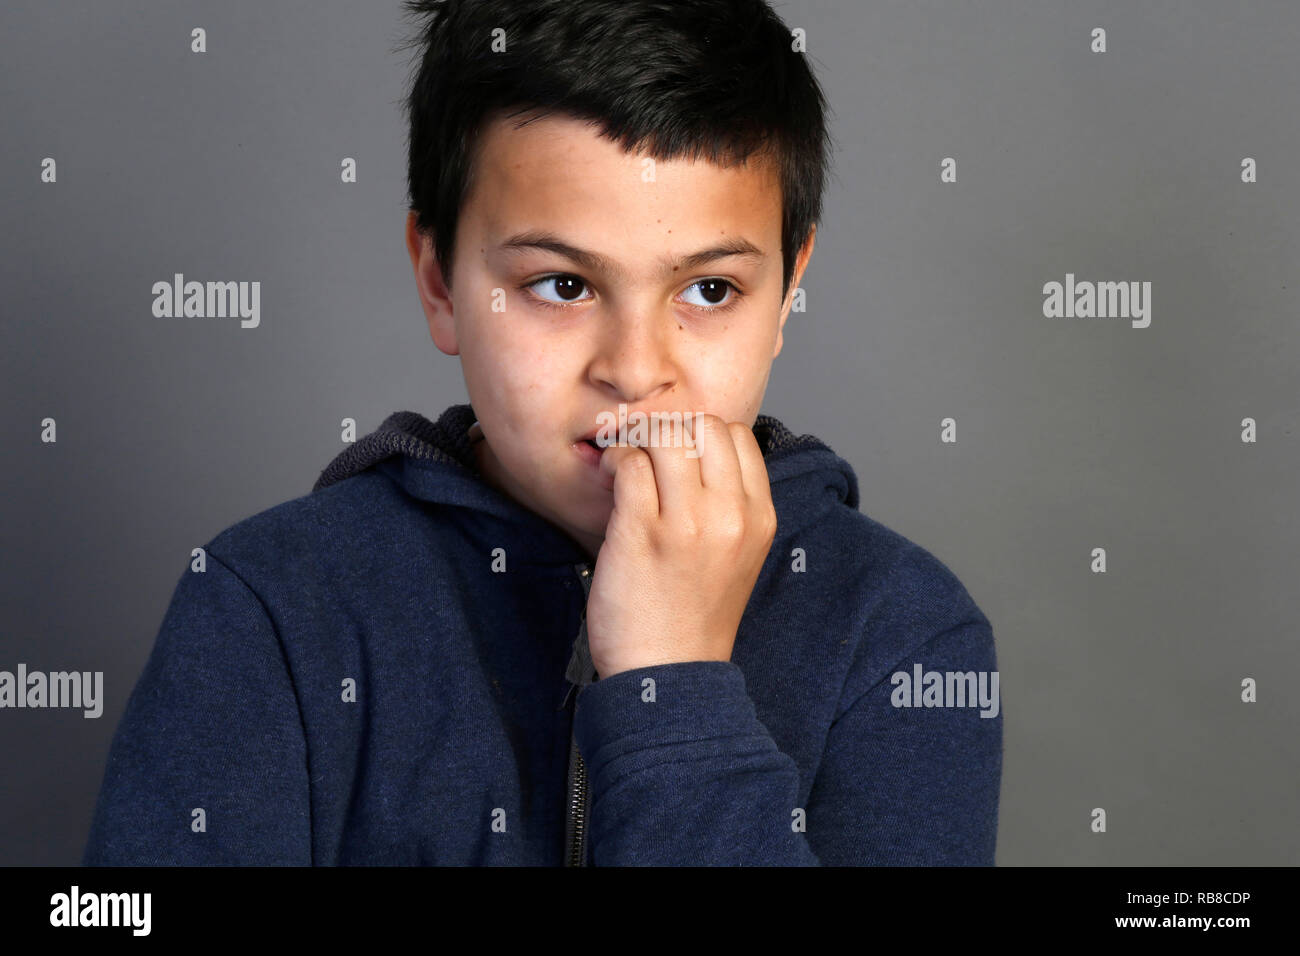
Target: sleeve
[694,778]
[915,785]
[209,763]
[690,777]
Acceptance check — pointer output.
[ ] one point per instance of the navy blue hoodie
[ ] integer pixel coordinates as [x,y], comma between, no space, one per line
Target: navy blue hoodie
[359,677]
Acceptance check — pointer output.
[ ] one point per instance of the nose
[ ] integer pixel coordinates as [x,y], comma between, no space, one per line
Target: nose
[635,355]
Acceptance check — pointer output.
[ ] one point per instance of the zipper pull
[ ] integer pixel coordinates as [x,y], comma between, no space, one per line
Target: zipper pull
[579,666]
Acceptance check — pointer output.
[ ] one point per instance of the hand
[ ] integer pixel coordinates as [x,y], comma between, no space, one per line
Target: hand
[683,547]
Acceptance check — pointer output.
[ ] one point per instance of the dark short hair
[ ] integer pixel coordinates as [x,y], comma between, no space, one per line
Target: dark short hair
[676,78]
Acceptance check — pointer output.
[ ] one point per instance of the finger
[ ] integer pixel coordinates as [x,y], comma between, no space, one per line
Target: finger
[719,464]
[677,477]
[635,494]
[753,469]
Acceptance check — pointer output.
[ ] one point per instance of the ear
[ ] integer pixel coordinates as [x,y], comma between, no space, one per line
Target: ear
[800,264]
[435,298]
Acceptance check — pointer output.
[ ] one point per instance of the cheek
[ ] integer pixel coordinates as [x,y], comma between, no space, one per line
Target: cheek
[734,376]
[523,384]
[503,363]
[529,379]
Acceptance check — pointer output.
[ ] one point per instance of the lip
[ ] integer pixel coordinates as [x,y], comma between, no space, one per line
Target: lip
[590,452]
[591,456]
[591,435]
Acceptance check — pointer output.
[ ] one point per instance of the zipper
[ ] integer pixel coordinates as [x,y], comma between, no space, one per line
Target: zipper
[575,835]
[577,828]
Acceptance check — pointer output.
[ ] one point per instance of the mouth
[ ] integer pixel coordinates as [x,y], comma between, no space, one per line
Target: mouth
[591,454]
[588,447]
[589,439]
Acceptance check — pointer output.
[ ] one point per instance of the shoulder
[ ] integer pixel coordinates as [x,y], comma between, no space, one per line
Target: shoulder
[306,540]
[885,572]
[903,601]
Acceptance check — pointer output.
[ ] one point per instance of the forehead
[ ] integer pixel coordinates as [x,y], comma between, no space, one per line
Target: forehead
[558,173]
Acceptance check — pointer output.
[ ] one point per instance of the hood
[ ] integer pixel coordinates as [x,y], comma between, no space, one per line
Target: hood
[433,461]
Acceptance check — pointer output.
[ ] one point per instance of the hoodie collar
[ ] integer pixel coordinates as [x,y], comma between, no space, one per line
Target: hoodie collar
[434,461]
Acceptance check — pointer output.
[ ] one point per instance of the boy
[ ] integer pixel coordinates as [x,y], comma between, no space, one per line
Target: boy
[524,634]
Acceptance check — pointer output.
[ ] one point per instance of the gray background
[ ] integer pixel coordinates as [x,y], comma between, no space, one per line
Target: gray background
[1121,690]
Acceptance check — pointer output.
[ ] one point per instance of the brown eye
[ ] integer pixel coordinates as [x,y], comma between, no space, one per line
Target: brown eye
[567,288]
[714,293]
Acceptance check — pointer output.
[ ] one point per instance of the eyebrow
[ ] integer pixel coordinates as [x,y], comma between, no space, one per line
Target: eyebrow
[595,262]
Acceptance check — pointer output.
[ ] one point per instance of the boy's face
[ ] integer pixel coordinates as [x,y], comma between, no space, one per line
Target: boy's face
[629,324]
